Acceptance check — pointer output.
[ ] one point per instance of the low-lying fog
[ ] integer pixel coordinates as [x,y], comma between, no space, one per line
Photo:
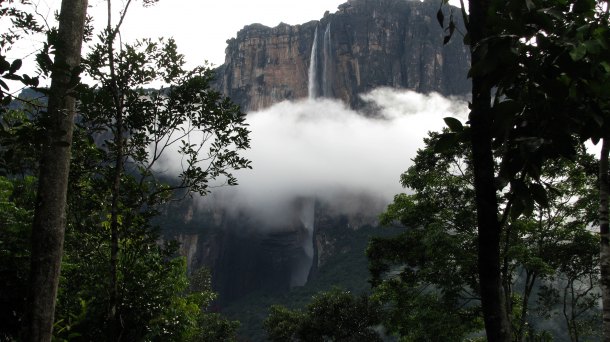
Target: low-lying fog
[320,148]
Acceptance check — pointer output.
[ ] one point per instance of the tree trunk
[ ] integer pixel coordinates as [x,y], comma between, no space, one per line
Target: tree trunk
[492,294]
[115,323]
[113,314]
[604,192]
[530,281]
[50,210]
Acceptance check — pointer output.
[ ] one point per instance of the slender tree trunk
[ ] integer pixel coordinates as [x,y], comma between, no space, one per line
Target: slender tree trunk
[115,324]
[495,316]
[530,281]
[604,192]
[113,314]
[48,229]
[116,88]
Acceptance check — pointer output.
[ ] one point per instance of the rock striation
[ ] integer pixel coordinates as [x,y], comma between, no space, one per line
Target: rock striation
[364,45]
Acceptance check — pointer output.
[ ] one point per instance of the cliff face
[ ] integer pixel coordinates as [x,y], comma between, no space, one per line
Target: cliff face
[364,45]
[247,254]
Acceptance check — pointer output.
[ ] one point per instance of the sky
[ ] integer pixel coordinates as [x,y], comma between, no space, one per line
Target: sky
[202,27]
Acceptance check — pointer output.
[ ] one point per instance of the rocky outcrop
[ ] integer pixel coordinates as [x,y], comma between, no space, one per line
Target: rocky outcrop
[364,45]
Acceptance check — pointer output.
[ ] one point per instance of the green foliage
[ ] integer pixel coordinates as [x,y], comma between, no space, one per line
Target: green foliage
[213,327]
[335,315]
[16,208]
[545,66]
[156,300]
[423,314]
[548,64]
[126,138]
[205,130]
[19,148]
[22,23]
[428,274]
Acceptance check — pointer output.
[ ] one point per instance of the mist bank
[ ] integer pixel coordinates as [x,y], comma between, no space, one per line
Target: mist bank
[321,149]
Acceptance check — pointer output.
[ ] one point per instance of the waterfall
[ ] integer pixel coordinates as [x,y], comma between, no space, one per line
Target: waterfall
[313,68]
[313,80]
[326,68]
[300,273]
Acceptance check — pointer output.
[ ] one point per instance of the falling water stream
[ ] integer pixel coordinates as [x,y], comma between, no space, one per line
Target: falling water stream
[307,217]
[326,72]
[314,82]
[313,67]
[307,214]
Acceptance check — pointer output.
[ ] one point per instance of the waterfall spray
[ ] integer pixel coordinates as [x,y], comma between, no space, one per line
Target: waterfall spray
[313,68]
[326,72]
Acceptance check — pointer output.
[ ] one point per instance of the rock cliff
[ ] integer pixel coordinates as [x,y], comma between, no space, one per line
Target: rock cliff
[364,45]
[246,254]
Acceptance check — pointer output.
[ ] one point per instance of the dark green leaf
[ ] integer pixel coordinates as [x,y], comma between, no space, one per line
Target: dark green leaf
[539,195]
[12,77]
[454,124]
[500,182]
[516,210]
[528,206]
[578,53]
[595,139]
[16,65]
[504,114]
[445,142]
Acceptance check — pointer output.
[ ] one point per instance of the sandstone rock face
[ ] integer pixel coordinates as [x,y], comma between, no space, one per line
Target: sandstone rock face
[364,45]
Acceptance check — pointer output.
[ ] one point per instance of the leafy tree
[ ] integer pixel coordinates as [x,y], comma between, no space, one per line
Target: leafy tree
[544,62]
[335,315]
[157,300]
[135,130]
[16,204]
[22,23]
[19,160]
[428,275]
[116,189]
[50,212]
[435,253]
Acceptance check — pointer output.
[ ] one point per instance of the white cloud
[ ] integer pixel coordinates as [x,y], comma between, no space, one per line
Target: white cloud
[325,150]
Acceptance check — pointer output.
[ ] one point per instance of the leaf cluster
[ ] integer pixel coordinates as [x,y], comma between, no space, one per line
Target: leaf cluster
[547,63]
[335,315]
[186,121]
[431,268]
